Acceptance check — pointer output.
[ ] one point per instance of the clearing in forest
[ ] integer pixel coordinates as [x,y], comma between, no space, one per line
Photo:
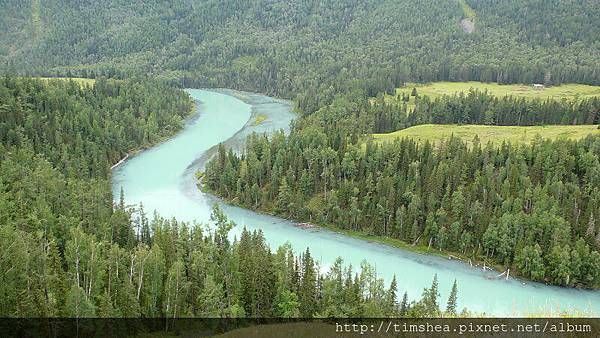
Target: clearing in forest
[521,90]
[495,134]
[82,81]
[436,89]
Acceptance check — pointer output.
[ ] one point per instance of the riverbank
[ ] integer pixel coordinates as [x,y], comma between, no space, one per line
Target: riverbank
[272,114]
[475,264]
[189,118]
[423,250]
[384,240]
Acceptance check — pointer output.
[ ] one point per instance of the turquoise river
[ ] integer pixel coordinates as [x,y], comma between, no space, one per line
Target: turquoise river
[163,179]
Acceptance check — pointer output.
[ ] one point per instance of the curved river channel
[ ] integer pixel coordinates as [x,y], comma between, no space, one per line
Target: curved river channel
[163,179]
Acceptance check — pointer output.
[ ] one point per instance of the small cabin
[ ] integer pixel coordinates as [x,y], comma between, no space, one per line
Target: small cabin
[538,86]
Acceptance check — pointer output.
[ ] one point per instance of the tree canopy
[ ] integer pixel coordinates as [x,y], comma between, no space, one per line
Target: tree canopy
[306,50]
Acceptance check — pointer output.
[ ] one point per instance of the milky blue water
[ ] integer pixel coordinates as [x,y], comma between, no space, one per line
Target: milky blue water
[162,178]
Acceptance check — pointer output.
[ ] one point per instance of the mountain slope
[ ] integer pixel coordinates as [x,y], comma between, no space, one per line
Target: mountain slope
[309,48]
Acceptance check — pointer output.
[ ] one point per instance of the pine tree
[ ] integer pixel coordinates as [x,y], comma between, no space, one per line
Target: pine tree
[146,238]
[430,298]
[559,264]
[246,272]
[122,199]
[153,291]
[126,300]
[591,226]
[404,306]
[264,282]
[13,279]
[58,287]
[391,302]
[175,291]
[106,308]
[284,197]
[351,298]
[451,305]
[308,292]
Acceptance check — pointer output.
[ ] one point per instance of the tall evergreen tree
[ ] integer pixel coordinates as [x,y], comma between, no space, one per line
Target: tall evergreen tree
[308,292]
[430,299]
[451,304]
[404,305]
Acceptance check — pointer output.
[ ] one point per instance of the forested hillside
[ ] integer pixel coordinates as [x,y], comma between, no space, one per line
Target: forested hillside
[307,50]
[58,141]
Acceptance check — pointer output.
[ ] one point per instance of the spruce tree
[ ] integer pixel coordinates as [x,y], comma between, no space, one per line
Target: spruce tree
[391,302]
[308,292]
[430,298]
[404,305]
[246,272]
[264,282]
[451,305]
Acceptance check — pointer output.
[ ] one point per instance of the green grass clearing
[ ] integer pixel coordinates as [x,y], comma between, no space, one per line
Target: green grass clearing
[82,81]
[567,91]
[495,134]
[437,89]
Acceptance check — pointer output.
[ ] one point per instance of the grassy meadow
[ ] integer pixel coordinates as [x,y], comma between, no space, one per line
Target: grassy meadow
[437,89]
[567,91]
[495,134]
[82,81]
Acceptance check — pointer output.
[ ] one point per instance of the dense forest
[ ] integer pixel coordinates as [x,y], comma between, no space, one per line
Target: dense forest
[59,140]
[174,271]
[532,208]
[307,50]
[68,251]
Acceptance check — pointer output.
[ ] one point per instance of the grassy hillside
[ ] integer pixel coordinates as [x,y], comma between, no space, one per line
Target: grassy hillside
[494,134]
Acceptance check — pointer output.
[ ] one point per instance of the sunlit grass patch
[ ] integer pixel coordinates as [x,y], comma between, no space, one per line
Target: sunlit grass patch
[82,81]
[495,134]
